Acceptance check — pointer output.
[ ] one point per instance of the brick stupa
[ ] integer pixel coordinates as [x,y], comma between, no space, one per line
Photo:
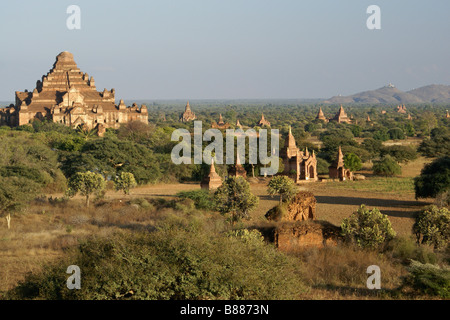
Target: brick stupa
[212,180]
[337,169]
[321,116]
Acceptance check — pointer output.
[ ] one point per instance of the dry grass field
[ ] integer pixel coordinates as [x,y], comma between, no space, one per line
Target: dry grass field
[43,232]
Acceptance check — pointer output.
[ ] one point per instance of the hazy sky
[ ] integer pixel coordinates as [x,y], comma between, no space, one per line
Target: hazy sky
[195,49]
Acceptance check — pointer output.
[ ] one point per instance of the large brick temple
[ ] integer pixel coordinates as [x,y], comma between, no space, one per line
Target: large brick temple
[67,95]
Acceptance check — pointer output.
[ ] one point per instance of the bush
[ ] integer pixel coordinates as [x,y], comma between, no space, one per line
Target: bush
[322,166]
[352,162]
[429,279]
[386,167]
[171,263]
[434,179]
[396,134]
[367,228]
[203,199]
[277,212]
[399,153]
[234,198]
[432,226]
[284,186]
[407,249]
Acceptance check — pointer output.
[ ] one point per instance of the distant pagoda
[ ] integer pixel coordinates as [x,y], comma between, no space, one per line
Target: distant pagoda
[220,124]
[263,121]
[321,116]
[401,109]
[188,114]
[341,116]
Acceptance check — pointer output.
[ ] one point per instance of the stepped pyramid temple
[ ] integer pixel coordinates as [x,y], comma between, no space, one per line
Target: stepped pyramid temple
[188,115]
[321,116]
[341,116]
[263,122]
[303,163]
[337,169]
[221,124]
[67,95]
[212,180]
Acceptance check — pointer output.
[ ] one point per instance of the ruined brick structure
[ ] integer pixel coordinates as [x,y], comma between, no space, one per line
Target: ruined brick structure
[68,96]
[303,163]
[298,228]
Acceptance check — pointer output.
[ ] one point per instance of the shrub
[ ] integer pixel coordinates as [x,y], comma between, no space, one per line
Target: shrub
[429,279]
[386,167]
[234,198]
[352,162]
[400,153]
[125,181]
[434,179]
[396,134]
[322,166]
[407,249]
[277,212]
[367,228]
[432,226]
[172,263]
[86,183]
[203,199]
[284,186]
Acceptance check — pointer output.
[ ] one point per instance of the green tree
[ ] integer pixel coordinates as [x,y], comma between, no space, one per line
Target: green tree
[396,134]
[432,226]
[438,144]
[434,179]
[399,153]
[284,186]
[233,197]
[387,166]
[125,181]
[368,228]
[86,183]
[15,192]
[352,162]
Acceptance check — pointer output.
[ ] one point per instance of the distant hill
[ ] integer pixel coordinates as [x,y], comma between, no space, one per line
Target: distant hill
[436,93]
[391,95]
